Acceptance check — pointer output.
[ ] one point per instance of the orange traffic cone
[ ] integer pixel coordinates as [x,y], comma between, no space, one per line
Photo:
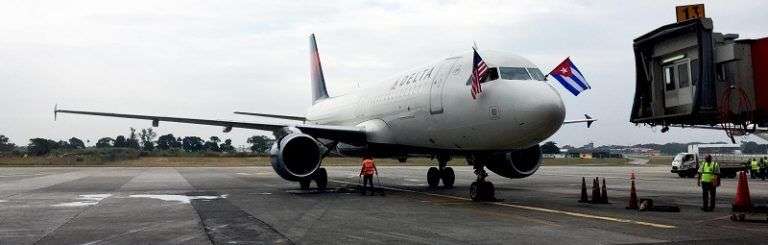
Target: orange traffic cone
[604,194]
[595,191]
[742,202]
[584,197]
[632,194]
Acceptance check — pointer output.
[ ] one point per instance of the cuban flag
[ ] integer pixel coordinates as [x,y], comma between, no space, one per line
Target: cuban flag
[570,77]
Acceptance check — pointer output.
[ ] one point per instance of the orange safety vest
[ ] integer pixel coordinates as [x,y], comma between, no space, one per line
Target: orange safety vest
[368,167]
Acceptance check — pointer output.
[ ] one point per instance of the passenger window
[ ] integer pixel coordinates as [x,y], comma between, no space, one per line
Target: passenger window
[514,73]
[536,73]
[669,77]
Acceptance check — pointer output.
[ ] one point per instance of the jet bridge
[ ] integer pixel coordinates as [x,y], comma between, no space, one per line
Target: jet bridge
[688,75]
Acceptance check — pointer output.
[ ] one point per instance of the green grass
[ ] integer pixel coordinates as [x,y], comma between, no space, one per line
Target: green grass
[586,162]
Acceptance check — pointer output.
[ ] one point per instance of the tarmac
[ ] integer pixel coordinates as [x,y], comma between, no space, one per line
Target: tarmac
[208,205]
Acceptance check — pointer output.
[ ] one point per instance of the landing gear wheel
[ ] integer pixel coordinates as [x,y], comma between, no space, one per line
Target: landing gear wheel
[488,191]
[482,191]
[448,177]
[682,175]
[321,178]
[433,177]
[304,183]
[473,192]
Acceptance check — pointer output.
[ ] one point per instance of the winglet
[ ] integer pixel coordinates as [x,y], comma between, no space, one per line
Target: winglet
[589,120]
[55,111]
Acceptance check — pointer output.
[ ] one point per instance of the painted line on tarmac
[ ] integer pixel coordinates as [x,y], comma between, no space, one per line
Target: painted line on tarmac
[532,208]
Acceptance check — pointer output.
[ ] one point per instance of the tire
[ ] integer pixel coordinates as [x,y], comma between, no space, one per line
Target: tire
[433,177]
[488,191]
[304,184]
[682,175]
[482,191]
[473,192]
[448,176]
[402,159]
[321,178]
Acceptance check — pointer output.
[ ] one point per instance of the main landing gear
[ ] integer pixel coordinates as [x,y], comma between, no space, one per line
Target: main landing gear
[481,190]
[320,177]
[435,174]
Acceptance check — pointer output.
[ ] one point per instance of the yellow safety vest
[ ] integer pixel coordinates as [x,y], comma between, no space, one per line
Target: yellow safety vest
[755,166]
[708,172]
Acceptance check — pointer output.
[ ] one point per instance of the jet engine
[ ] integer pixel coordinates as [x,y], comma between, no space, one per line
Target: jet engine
[515,164]
[295,155]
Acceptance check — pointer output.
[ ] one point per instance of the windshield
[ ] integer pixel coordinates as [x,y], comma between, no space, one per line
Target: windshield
[679,157]
[514,73]
[536,73]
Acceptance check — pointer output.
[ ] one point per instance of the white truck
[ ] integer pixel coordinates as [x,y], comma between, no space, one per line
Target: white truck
[729,157]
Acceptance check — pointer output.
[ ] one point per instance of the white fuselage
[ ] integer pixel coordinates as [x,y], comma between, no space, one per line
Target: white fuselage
[432,107]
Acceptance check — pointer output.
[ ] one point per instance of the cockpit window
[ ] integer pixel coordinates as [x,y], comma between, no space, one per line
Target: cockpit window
[493,74]
[536,73]
[514,73]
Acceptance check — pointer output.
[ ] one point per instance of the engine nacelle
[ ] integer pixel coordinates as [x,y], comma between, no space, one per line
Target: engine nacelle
[515,164]
[295,156]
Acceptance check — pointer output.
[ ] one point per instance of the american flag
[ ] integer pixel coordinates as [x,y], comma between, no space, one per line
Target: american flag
[479,70]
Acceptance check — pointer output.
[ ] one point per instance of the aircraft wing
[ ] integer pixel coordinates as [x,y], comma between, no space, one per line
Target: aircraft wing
[297,118]
[347,134]
[587,119]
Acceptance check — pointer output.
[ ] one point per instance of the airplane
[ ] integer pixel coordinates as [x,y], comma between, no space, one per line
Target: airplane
[427,110]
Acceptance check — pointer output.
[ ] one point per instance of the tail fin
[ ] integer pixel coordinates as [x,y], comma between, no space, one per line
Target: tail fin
[316,72]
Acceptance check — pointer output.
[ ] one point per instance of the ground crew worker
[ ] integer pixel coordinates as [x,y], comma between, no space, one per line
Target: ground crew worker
[754,171]
[709,180]
[763,168]
[367,171]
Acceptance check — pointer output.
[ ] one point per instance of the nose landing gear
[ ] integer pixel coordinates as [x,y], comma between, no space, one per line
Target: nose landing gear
[481,190]
[435,174]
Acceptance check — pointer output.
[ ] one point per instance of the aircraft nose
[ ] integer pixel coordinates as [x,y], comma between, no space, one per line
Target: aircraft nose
[542,112]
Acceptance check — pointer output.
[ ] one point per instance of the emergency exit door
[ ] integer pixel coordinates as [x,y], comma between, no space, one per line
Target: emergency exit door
[438,86]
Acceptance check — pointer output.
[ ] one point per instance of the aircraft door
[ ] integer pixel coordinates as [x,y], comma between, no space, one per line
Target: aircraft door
[678,89]
[438,85]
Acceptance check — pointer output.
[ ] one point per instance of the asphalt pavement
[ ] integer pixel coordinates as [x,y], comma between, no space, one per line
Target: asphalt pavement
[208,205]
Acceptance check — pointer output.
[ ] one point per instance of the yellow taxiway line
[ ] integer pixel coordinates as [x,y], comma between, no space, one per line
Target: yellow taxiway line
[532,208]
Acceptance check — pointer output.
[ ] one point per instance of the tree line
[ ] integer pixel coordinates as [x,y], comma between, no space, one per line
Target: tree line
[747,147]
[145,140]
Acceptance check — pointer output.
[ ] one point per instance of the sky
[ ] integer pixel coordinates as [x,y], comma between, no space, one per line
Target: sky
[206,59]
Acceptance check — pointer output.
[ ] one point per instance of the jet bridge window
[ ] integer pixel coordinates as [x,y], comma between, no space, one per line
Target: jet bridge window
[669,77]
[682,71]
[514,73]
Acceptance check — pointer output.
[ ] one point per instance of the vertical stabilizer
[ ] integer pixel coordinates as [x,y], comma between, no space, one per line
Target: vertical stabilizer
[316,72]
